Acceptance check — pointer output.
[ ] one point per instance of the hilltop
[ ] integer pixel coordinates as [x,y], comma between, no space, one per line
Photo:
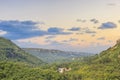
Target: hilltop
[11,52]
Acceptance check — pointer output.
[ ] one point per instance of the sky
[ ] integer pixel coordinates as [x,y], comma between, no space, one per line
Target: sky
[71,25]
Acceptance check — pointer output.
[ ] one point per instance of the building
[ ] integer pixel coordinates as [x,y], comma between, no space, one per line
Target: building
[62,70]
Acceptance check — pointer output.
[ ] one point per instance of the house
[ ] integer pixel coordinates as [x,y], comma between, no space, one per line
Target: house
[62,70]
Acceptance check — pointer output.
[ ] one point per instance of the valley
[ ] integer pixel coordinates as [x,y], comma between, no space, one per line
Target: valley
[17,64]
[56,56]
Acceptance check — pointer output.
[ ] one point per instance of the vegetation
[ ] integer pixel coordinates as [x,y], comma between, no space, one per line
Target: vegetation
[55,56]
[103,66]
[11,52]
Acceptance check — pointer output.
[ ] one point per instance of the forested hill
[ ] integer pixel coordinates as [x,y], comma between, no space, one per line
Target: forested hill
[51,55]
[11,52]
[103,66]
[111,55]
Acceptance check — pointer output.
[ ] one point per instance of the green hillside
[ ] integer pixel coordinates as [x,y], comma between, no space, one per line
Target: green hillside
[19,71]
[11,52]
[56,56]
[111,55]
[103,66]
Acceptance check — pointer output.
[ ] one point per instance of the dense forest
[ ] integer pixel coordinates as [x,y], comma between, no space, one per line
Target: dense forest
[15,65]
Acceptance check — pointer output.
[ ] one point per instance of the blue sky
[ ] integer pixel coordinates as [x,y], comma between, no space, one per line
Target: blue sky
[77,25]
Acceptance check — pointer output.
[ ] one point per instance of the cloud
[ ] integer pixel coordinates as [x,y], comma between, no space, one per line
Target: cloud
[74,29]
[57,31]
[15,29]
[81,33]
[118,21]
[95,21]
[55,43]
[89,31]
[93,35]
[81,20]
[107,25]
[27,44]
[82,40]
[101,38]
[110,41]
[2,32]
[86,30]
[111,4]
[70,40]
[73,39]
[50,37]
[20,29]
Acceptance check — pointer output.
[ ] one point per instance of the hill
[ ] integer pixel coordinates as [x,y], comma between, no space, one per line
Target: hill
[11,52]
[111,55]
[51,55]
[103,66]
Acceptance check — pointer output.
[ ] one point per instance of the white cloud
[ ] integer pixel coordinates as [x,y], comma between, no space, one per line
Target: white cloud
[2,32]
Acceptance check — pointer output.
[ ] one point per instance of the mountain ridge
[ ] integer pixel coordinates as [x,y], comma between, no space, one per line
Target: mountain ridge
[52,55]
